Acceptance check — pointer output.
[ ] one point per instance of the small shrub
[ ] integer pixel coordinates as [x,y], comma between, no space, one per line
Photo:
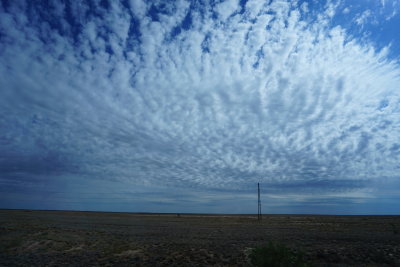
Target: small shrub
[278,255]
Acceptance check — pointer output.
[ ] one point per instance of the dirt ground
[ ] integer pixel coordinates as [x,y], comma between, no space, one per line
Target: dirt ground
[65,238]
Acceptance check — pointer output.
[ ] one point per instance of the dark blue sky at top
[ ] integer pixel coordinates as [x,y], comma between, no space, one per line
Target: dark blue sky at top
[184,106]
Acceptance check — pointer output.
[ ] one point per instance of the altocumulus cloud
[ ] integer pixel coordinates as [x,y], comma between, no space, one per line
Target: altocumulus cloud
[200,95]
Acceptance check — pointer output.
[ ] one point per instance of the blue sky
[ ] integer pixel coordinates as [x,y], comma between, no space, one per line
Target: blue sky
[184,106]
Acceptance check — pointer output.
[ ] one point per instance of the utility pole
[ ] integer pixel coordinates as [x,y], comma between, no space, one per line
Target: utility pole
[259,216]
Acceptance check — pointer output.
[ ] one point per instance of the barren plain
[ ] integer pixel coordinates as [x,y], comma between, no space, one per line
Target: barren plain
[72,238]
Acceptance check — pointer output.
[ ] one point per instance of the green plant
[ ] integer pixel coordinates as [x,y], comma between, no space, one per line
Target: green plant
[274,254]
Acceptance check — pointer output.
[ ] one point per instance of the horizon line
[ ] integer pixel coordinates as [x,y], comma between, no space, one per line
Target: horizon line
[197,213]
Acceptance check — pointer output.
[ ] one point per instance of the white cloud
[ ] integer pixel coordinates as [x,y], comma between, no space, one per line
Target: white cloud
[392,15]
[226,8]
[262,96]
[138,8]
[362,18]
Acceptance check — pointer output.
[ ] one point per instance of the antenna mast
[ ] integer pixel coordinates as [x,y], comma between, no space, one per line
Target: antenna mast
[259,216]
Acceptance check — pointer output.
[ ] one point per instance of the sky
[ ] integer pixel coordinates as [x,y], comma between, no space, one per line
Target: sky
[184,106]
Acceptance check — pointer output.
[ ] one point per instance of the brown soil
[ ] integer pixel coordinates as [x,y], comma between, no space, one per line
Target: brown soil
[65,238]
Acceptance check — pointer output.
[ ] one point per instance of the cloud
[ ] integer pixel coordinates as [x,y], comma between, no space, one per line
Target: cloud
[362,18]
[226,8]
[188,95]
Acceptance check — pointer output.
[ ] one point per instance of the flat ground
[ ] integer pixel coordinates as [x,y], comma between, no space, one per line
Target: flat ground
[66,238]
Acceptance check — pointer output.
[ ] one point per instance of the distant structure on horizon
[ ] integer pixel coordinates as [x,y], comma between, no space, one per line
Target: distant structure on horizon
[259,215]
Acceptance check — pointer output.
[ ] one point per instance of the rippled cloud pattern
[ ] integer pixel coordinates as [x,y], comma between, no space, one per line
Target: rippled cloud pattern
[171,97]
